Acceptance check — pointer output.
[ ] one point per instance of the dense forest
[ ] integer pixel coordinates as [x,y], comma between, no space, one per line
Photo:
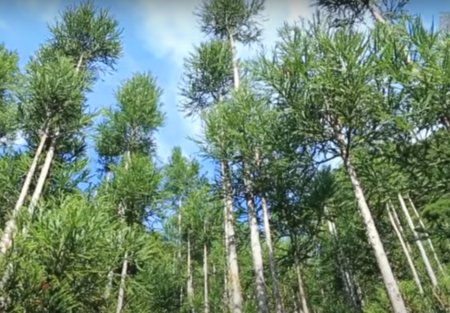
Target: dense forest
[275,228]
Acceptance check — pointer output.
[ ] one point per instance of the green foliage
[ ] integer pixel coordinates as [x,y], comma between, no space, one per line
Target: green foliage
[208,76]
[238,19]
[9,71]
[131,126]
[53,96]
[87,35]
[63,260]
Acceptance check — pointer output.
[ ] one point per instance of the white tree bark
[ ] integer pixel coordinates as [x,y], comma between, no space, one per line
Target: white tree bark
[430,243]
[343,269]
[205,279]
[190,278]
[392,288]
[123,277]
[258,266]
[405,250]
[272,261]
[236,293]
[419,244]
[301,288]
[11,225]
[42,178]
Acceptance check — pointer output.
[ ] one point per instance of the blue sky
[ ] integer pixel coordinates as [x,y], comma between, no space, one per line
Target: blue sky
[158,34]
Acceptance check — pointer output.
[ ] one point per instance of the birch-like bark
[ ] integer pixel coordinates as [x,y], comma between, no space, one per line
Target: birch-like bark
[400,227]
[343,269]
[123,275]
[236,293]
[272,261]
[235,63]
[190,279]
[430,243]
[205,279]
[419,244]
[179,251]
[392,288]
[11,225]
[258,266]
[405,250]
[42,178]
[301,288]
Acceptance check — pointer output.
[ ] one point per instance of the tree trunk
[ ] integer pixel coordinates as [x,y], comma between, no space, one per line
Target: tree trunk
[400,227]
[405,250]
[301,288]
[439,264]
[205,278]
[179,251]
[42,178]
[392,288]
[123,277]
[272,261]
[419,244]
[11,225]
[258,265]
[352,296]
[235,63]
[190,279]
[236,293]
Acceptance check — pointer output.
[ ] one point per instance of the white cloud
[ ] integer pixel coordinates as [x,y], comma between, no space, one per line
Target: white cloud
[170,29]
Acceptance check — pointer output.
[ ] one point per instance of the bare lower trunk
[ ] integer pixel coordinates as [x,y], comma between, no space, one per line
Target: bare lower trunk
[342,265]
[42,178]
[272,260]
[11,225]
[400,227]
[190,279]
[258,266]
[236,293]
[123,277]
[430,243]
[405,250]
[179,250]
[301,288]
[205,279]
[235,63]
[419,244]
[392,288]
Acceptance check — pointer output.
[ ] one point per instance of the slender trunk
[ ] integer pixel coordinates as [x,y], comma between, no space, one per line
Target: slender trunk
[7,237]
[272,261]
[235,63]
[392,288]
[190,280]
[109,285]
[400,227]
[205,278]
[179,251]
[301,289]
[123,277]
[405,250]
[42,178]
[236,296]
[342,263]
[419,244]
[258,266]
[430,243]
